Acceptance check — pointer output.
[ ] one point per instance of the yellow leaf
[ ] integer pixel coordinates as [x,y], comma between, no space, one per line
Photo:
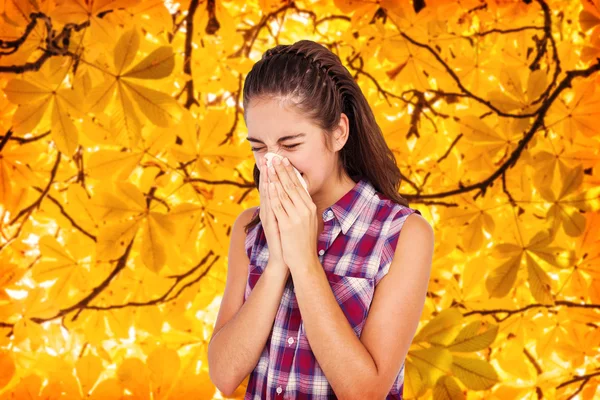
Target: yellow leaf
[149,319]
[24,329]
[113,239]
[536,84]
[579,114]
[545,344]
[152,15]
[573,221]
[125,119]
[110,164]
[504,250]
[89,368]
[126,49]
[78,202]
[189,220]
[469,339]
[511,81]
[72,98]
[160,108]
[511,359]
[53,389]
[501,280]
[432,363]
[502,101]
[154,248]
[131,194]
[414,386]
[94,327]
[539,282]
[20,91]
[472,277]
[5,184]
[572,181]
[101,129]
[158,64]
[594,290]
[34,306]
[64,132]
[164,364]
[442,329]
[473,373]
[133,375]
[28,116]
[100,95]
[472,238]
[57,264]
[61,376]
[107,389]
[587,20]
[576,285]
[28,388]
[193,385]
[446,388]
[119,321]
[9,272]
[7,366]
[107,206]
[476,130]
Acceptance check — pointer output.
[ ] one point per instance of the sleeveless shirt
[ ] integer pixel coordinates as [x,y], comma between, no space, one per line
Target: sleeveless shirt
[356,248]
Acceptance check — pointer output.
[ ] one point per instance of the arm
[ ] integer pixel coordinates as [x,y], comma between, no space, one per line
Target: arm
[372,361]
[232,352]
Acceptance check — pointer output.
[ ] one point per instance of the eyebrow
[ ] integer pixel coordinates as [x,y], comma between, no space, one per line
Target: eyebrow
[281,139]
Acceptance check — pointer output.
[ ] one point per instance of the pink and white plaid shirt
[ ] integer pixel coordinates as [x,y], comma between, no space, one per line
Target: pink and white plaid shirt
[356,249]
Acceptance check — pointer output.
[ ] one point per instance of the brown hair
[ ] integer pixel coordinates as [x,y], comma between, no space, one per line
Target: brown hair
[322,89]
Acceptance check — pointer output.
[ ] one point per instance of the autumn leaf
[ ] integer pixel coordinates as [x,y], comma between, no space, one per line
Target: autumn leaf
[123,165]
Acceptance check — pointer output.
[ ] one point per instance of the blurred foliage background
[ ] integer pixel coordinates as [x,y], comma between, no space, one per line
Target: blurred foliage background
[123,164]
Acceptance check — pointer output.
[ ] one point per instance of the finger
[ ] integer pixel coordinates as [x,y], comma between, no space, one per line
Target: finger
[302,195]
[265,188]
[285,200]
[263,180]
[291,184]
[275,201]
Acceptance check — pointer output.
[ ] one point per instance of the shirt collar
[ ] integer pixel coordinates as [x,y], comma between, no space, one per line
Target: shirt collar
[347,209]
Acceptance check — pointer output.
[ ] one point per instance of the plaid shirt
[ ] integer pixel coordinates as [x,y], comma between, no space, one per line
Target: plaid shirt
[356,248]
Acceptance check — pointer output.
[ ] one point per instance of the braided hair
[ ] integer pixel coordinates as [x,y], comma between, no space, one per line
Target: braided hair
[315,82]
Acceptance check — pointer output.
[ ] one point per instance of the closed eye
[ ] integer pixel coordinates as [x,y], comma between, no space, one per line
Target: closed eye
[287,147]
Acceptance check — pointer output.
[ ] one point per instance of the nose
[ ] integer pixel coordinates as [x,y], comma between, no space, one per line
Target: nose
[275,150]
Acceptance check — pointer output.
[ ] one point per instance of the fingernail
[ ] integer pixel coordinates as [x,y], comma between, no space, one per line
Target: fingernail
[286,161]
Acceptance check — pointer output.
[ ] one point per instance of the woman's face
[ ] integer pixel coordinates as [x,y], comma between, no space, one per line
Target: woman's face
[275,128]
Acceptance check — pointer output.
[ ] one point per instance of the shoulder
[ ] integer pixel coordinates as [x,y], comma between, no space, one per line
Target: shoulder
[249,213]
[406,228]
[246,216]
[238,231]
[417,235]
[418,226]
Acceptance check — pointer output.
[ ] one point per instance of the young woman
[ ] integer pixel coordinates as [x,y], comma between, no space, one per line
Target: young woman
[323,295]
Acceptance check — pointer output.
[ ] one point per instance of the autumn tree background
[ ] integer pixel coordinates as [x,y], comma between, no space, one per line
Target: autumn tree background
[123,164]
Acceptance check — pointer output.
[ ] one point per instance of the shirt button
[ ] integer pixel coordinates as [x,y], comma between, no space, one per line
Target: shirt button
[279,390]
[291,340]
[321,252]
[330,213]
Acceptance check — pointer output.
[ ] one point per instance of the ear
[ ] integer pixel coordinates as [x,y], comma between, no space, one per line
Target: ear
[341,132]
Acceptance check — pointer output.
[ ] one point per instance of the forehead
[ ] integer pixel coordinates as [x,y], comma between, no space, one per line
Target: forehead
[273,119]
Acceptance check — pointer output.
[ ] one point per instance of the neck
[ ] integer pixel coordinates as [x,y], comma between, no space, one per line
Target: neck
[331,191]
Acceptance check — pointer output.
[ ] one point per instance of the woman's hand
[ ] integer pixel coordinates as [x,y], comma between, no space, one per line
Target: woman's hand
[296,216]
[269,223]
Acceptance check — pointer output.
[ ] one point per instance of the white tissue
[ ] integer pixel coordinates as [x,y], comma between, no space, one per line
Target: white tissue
[269,156]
